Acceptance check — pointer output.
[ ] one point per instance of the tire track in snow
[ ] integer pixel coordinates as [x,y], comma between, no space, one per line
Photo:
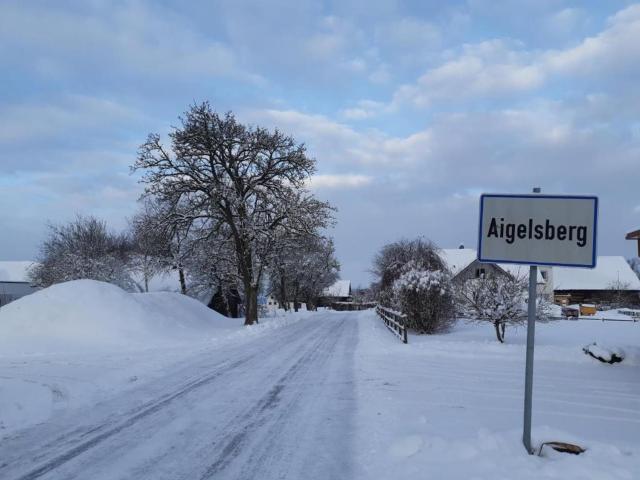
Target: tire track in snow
[78,441]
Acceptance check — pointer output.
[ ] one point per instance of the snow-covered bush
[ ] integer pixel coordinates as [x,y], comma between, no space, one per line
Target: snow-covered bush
[412,279]
[84,249]
[499,299]
[425,297]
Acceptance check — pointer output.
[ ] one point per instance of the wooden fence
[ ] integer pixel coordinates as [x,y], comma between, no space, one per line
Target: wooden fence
[351,306]
[395,321]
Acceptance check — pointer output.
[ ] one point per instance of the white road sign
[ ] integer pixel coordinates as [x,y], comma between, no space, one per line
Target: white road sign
[538,229]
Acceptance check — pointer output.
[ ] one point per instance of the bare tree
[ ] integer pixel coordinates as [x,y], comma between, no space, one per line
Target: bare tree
[234,183]
[620,294]
[83,249]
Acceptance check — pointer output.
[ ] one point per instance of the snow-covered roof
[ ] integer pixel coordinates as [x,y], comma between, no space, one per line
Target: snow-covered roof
[15,271]
[342,288]
[609,270]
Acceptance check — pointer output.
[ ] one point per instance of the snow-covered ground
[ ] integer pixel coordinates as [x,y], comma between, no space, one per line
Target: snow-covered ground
[157,386]
[76,343]
[450,406]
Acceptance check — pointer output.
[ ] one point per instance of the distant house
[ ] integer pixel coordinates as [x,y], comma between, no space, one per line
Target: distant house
[611,279]
[340,291]
[14,281]
[464,265]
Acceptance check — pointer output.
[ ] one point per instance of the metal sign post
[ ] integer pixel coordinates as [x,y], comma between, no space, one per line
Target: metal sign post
[528,373]
[537,230]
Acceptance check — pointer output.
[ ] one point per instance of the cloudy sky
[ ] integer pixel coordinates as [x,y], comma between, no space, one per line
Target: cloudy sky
[411,108]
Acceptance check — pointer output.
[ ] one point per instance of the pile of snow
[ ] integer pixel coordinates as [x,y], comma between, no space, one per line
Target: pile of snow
[85,314]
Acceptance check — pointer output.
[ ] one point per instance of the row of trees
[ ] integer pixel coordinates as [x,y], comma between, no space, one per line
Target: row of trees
[225,205]
[413,278]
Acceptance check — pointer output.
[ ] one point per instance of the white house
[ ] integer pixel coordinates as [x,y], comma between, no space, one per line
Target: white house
[340,291]
[14,281]
[464,265]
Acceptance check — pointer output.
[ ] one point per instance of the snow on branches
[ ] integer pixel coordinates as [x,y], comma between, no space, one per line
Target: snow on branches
[235,184]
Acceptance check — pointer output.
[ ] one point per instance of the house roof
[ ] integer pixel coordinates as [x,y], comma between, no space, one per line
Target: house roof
[341,288]
[609,270]
[15,271]
[635,235]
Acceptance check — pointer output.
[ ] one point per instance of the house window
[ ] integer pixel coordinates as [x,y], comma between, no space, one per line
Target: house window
[480,273]
[544,275]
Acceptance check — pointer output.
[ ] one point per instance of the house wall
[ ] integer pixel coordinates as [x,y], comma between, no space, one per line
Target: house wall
[630,297]
[470,272]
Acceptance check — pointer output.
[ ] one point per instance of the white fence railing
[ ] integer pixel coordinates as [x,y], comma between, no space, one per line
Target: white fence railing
[395,321]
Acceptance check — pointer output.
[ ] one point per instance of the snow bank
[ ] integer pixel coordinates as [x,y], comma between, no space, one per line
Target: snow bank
[87,314]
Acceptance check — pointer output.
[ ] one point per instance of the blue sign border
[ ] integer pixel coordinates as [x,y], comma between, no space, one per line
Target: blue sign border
[594,256]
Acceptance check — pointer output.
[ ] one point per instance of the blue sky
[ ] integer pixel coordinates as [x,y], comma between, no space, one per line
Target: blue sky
[411,108]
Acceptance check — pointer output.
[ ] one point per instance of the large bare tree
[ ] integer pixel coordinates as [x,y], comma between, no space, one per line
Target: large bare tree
[234,183]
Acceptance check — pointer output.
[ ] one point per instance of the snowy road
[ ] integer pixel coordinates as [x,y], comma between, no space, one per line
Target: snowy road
[278,406]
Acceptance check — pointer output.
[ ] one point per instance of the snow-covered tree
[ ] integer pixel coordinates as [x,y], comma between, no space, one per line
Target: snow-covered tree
[392,259]
[84,249]
[499,299]
[151,244]
[161,239]
[412,278]
[303,270]
[235,183]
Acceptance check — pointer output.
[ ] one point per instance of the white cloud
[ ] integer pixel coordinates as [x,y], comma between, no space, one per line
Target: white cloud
[491,68]
[131,38]
[339,181]
[338,144]
[614,49]
[497,68]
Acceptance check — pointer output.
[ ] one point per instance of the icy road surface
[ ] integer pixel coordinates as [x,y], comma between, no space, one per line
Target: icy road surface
[279,406]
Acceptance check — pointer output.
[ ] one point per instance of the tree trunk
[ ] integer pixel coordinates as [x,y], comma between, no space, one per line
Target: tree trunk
[183,282]
[283,294]
[251,309]
[498,326]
